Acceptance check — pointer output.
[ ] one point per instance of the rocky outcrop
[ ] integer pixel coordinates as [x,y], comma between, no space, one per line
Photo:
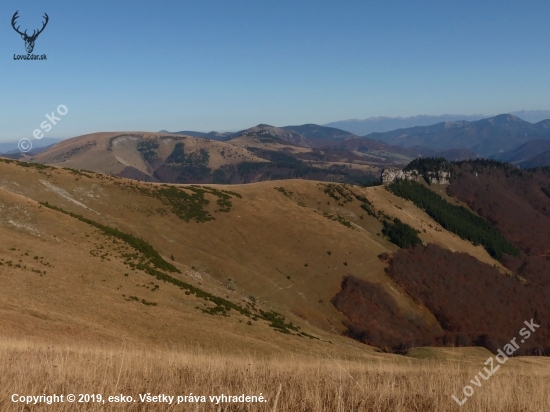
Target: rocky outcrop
[390,175]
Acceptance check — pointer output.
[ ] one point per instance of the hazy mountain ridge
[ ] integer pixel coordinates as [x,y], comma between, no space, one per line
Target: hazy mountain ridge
[525,152]
[382,124]
[454,140]
[484,137]
[385,123]
[540,160]
[12,148]
[309,151]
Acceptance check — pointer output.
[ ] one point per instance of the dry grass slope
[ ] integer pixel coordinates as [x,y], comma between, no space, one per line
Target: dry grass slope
[69,323]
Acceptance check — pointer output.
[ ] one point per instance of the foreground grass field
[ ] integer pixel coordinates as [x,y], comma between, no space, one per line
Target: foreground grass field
[424,382]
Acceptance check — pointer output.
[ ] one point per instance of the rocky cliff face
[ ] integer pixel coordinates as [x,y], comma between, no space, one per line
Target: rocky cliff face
[391,175]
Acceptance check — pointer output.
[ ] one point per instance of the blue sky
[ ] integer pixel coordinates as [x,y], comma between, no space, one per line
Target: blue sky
[227,65]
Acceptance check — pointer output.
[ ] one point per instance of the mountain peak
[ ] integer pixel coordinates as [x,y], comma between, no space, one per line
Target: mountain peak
[506,118]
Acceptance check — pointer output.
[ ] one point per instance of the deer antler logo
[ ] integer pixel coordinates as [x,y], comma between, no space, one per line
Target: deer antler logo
[29,40]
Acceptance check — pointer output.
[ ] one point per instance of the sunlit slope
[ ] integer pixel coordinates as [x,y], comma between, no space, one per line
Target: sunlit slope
[282,246]
[63,280]
[112,153]
[175,158]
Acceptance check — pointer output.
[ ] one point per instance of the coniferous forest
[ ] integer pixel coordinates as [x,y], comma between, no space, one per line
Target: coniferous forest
[456,219]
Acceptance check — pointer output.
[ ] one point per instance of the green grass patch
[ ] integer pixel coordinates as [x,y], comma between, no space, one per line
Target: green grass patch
[189,202]
[366,204]
[38,166]
[77,172]
[339,219]
[284,191]
[338,193]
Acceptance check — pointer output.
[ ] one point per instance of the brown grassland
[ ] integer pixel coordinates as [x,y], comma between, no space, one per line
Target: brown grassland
[69,322]
[289,383]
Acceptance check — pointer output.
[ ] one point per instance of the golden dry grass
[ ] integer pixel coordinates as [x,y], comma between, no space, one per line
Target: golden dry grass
[96,151]
[98,342]
[306,383]
[268,246]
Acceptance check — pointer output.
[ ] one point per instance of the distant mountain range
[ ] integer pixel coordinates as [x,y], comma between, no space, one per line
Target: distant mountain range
[37,145]
[385,124]
[524,152]
[540,160]
[308,151]
[486,137]
[260,153]
[454,137]
[534,153]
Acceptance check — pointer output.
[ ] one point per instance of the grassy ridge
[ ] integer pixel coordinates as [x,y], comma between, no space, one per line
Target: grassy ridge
[222,306]
[138,244]
[456,219]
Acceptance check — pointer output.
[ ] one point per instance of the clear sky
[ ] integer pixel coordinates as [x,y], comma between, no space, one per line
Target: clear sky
[228,65]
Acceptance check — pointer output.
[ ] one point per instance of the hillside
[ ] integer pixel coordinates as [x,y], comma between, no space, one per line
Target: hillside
[540,160]
[453,155]
[146,156]
[502,208]
[261,153]
[292,277]
[222,137]
[277,134]
[302,249]
[264,244]
[525,153]
[279,254]
[316,132]
[485,137]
